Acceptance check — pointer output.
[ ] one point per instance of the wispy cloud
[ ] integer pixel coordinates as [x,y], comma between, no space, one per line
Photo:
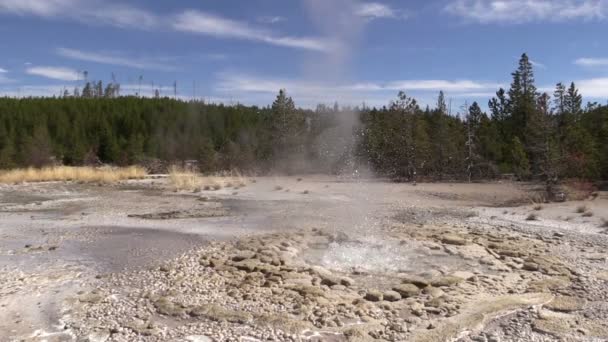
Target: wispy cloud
[271,19]
[309,92]
[216,26]
[33,91]
[241,82]
[55,73]
[90,12]
[538,64]
[5,79]
[591,62]
[97,12]
[3,71]
[113,59]
[42,8]
[376,10]
[523,11]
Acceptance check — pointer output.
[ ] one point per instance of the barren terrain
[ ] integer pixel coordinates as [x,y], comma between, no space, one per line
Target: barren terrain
[291,259]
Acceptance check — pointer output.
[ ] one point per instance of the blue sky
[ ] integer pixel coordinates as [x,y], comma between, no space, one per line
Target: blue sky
[319,50]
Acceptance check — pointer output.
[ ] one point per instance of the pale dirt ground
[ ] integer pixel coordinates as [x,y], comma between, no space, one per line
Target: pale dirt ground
[60,241]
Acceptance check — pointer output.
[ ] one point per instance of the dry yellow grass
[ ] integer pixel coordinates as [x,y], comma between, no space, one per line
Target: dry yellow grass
[69,173]
[187,180]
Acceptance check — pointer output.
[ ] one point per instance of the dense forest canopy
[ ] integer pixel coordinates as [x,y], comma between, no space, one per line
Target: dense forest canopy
[526,133]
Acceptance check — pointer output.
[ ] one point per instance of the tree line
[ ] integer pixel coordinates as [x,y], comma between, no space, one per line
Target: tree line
[525,133]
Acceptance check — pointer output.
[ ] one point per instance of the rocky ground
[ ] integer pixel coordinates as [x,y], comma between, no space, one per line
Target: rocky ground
[286,259]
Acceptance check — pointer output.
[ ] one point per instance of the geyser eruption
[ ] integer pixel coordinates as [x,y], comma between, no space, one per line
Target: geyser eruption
[338,20]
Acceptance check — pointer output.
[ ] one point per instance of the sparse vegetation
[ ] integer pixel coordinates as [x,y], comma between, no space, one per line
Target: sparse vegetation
[69,173]
[185,179]
[188,180]
[278,188]
[588,214]
[538,207]
[581,209]
[532,217]
[604,223]
[305,192]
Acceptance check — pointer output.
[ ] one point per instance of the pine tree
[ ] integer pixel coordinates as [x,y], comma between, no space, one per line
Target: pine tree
[559,99]
[207,157]
[521,165]
[285,125]
[473,122]
[522,96]
[405,130]
[440,137]
[99,89]
[573,102]
[37,148]
[87,91]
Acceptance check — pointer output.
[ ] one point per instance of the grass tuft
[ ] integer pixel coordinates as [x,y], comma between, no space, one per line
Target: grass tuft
[532,217]
[588,214]
[70,173]
[604,223]
[538,207]
[188,180]
[581,209]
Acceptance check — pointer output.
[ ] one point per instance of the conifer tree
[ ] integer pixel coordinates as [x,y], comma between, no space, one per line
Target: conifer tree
[521,165]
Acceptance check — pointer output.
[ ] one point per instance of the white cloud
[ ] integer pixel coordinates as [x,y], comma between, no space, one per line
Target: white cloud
[4,79]
[90,12]
[123,16]
[309,93]
[97,12]
[56,73]
[373,10]
[33,91]
[376,10]
[591,62]
[212,25]
[595,87]
[523,11]
[112,59]
[3,71]
[538,64]
[436,85]
[271,19]
[239,82]
[42,8]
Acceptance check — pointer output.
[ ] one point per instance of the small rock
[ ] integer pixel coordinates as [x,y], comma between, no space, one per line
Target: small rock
[346,281]
[406,290]
[392,296]
[451,239]
[415,280]
[243,256]
[530,266]
[446,281]
[373,296]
